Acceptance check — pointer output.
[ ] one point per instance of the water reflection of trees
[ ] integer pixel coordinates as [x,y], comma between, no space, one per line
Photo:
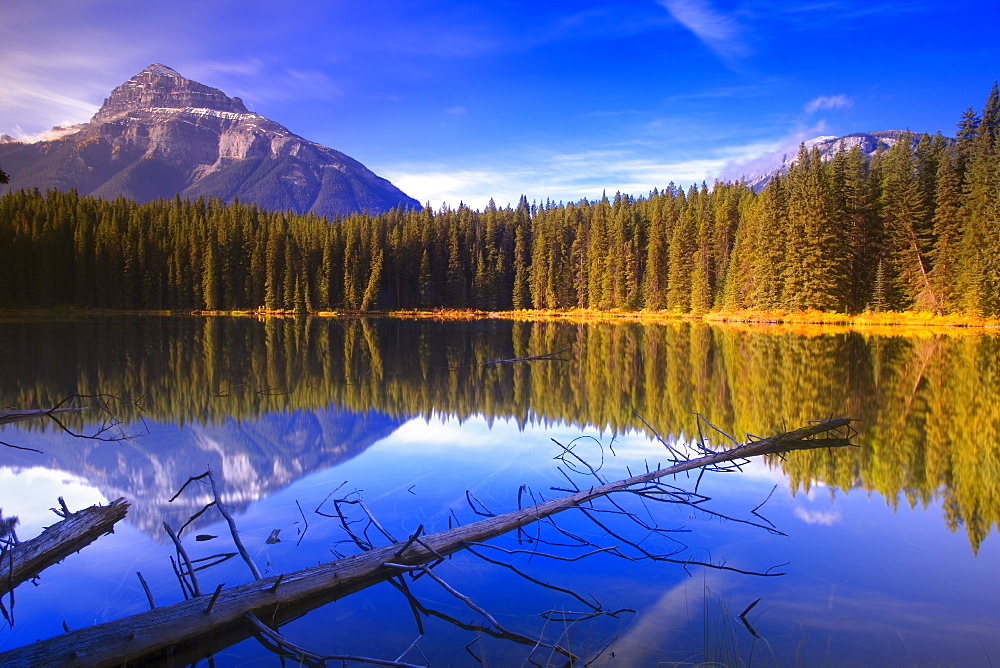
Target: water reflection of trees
[928,404]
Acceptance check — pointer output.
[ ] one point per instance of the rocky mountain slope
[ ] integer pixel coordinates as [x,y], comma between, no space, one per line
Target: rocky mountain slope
[869,143]
[159,134]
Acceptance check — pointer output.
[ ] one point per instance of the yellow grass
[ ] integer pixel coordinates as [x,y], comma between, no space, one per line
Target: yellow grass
[777,320]
[904,320]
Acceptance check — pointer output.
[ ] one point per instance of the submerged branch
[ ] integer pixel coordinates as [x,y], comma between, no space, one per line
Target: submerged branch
[7,417]
[148,632]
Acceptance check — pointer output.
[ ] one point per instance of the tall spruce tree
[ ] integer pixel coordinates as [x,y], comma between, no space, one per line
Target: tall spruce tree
[816,274]
[908,228]
[683,245]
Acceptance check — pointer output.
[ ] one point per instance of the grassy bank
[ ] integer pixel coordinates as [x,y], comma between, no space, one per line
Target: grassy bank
[906,319]
[901,319]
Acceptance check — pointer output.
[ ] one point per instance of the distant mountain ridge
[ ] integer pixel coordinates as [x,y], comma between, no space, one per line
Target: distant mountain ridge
[159,134]
[828,146]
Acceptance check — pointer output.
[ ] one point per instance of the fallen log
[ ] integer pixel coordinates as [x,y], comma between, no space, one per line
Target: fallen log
[131,639]
[26,560]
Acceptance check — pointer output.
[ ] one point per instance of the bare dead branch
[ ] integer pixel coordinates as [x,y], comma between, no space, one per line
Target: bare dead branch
[145,588]
[232,528]
[182,555]
[595,607]
[315,657]
[195,478]
[568,456]
[547,357]
[194,517]
[147,632]
[302,534]
[482,611]
[473,500]
[536,553]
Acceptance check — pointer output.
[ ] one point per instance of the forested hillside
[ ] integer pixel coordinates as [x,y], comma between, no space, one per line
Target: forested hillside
[914,228]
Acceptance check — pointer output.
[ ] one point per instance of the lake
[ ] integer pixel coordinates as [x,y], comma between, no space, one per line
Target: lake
[887,552]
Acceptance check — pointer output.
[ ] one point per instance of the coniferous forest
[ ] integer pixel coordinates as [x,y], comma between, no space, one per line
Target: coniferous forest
[916,227]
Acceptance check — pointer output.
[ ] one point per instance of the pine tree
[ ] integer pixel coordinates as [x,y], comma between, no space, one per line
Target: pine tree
[654,287]
[816,275]
[521,294]
[683,244]
[948,232]
[908,234]
[370,297]
[978,273]
[767,224]
[703,261]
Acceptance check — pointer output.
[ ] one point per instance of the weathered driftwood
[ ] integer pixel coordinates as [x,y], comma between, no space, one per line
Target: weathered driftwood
[25,560]
[6,417]
[132,638]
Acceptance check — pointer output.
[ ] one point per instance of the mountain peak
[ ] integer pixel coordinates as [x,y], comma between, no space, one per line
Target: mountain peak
[159,69]
[160,134]
[159,86]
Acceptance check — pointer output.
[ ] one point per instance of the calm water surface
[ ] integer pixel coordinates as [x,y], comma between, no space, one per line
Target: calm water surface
[889,554]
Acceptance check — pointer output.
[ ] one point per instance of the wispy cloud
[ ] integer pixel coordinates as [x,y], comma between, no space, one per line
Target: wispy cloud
[56,132]
[839,101]
[560,176]
[719,32]
[827,14]
[765,156]
[31,103]
[822,518]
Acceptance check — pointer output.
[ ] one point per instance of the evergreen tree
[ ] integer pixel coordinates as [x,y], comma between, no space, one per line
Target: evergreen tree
[683,244]
[948,232]
[370,297]
[521,295]
[978,272]
[816,274]
[908,233]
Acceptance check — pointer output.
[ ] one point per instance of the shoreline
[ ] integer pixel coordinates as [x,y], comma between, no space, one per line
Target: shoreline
[777,318]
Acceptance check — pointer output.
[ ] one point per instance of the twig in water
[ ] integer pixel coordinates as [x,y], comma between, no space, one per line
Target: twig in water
[211,603]
[485,613]
[549,357]
[232,528]
[760,505]
[743,618]
[485,512]
[182,554]
[315,657]
[145,588]
[186,483]
[303,534]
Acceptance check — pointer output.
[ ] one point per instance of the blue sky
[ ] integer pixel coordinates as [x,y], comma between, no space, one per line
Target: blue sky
[458,101]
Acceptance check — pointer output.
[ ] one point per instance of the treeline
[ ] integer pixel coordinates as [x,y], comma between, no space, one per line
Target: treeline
[916,227]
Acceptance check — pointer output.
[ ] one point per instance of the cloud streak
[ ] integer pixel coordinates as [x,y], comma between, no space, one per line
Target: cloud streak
[560,176]
[717,31]
[817,517]
[839,101]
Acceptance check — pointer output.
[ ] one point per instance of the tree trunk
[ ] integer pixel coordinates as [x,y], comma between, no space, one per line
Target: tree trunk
[26,560]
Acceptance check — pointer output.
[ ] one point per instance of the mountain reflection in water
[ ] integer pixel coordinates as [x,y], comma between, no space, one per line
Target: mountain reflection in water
[250,459]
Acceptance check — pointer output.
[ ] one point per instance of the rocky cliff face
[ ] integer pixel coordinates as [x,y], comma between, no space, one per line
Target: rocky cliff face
[159,134]
[159,86]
